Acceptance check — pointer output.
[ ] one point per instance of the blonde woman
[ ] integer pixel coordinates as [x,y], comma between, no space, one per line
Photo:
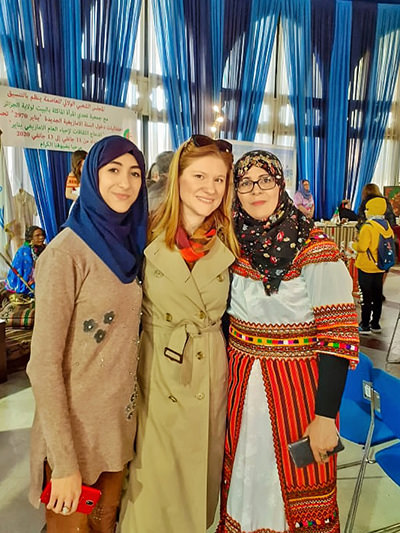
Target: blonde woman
[175,476]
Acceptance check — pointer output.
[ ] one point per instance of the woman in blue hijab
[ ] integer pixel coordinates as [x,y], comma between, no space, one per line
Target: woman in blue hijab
[303,199]
[84,346]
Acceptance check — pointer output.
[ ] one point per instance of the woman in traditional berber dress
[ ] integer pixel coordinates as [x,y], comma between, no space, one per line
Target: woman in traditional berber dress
[293,334]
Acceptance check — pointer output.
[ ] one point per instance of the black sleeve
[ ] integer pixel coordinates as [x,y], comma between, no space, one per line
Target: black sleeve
[389,215]
[225,317]
[361,215]
[332,378]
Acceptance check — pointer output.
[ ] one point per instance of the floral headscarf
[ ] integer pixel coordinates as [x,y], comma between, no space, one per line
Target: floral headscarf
[270,245]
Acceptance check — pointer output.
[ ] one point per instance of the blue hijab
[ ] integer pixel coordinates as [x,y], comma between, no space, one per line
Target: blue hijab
[117,238]
[301,189]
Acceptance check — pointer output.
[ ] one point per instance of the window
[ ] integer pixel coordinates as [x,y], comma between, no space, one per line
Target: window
[276,122]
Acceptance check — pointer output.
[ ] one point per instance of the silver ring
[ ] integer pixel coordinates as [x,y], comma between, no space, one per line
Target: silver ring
[65,510]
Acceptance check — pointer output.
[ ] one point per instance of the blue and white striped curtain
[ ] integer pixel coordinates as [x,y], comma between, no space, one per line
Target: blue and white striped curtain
[214,52]
[296,23]
[334,184]
[89,57]
[385,68]
[169,20]
[259,45]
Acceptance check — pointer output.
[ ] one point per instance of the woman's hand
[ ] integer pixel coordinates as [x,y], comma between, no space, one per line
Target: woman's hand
[65,493]
[323,437]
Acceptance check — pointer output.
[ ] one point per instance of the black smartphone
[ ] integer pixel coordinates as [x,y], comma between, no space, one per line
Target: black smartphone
[301,452]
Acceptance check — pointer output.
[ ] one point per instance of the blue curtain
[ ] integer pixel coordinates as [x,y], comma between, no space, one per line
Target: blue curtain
[362,46]
[296,23]
[109,30]
[71,17]
[52,71]
[169,23]
[341,82]
[217,8]
[385,68]
[17,37]
[237,16]
[199,62]
[334,185]
[259,45]
[214,52]
[106,31]
[322,35]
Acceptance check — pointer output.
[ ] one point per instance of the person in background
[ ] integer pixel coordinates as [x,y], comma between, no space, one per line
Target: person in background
[304,200]
[370,277]
[176,473]
[346,213]
[85,341]
[370,191]
[72,186]
[24,262]
[157,181]
[293,332]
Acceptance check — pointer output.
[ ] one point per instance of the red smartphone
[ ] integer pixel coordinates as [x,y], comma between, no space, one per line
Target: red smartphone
[87,501]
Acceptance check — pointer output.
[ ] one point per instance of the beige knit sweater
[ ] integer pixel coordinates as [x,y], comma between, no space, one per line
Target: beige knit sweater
[83,364]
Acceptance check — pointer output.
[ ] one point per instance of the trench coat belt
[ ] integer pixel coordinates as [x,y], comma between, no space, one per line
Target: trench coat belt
[180,334]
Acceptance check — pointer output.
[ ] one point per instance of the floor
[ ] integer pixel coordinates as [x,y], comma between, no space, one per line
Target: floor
[379,503]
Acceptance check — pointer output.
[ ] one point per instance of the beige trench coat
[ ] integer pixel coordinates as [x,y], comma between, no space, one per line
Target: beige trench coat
[175,477]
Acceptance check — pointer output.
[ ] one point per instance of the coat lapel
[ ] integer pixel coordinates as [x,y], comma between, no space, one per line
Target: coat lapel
[172,265]
[218,259]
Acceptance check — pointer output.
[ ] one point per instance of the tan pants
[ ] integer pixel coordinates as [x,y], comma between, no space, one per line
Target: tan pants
[101,519]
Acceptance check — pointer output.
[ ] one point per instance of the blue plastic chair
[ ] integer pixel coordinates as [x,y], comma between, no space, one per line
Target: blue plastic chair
[360,424]
[355,409]
[387,388]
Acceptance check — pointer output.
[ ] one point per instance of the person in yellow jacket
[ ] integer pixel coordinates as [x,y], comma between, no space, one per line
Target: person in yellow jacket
[370,277]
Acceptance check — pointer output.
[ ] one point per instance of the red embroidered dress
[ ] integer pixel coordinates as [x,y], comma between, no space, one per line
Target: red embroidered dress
[273,350]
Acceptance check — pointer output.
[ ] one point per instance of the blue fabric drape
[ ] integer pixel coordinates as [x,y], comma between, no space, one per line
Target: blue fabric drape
[337,113]
[259,45]
[322,33]
[362,45]
[296,23]
[237,16]
[17,39]
[217,8]
[170,31]
[52,71]
[71,18]
[199,62]
[109,30]
[89,56]
[213,52]
[385,67]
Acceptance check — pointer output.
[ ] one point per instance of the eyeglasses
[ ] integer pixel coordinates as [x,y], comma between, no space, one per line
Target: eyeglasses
[265,183]
[203,140]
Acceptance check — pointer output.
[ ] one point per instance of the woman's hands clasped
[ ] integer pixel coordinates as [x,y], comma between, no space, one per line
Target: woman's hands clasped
[65,493]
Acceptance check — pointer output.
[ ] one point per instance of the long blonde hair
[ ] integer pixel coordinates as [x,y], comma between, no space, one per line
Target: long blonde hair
[168,216]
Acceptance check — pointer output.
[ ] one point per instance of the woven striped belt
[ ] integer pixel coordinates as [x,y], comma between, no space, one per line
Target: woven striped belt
[264,341]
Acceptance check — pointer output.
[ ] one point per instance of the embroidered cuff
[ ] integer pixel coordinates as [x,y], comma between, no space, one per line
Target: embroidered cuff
[337,331]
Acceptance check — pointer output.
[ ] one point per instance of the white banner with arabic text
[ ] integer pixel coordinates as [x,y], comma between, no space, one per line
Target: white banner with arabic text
[37,120]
